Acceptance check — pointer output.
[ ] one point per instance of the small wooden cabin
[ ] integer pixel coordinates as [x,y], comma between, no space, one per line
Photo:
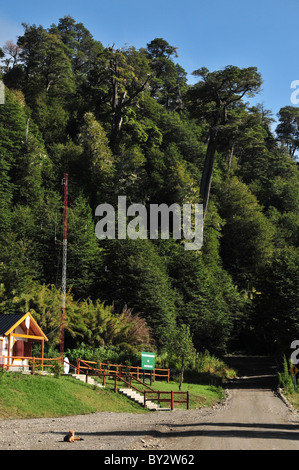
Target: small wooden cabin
[17,333]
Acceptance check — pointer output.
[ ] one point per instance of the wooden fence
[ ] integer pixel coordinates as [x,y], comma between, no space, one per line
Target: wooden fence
[32,362]
[120,369]
[171,399]
[106,369]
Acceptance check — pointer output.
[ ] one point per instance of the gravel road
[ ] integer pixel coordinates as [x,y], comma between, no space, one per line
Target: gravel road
[253,417]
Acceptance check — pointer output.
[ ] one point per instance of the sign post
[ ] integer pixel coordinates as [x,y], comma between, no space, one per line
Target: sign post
[148,363]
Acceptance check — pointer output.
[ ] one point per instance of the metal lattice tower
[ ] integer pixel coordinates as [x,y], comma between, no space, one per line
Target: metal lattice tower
[64,262]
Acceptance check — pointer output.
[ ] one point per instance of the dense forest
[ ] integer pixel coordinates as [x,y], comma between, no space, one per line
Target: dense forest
[126,122]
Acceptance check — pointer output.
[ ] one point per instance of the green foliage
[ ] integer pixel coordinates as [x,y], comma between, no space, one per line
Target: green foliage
[57,369]
[181,349]
[247,235]
[86,321]
[287,129]
[113,354]
[132,262]
[213,368]
[276,316]
[285,378]
[45,63]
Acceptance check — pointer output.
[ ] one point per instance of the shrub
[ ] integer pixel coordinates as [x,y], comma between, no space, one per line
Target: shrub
[285,378]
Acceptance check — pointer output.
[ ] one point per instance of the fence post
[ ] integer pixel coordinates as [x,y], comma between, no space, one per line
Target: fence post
[144,398]
[172,401]
[104,378]
[33,366]
[78,366]
[86,379]
[188,400]
[115,383]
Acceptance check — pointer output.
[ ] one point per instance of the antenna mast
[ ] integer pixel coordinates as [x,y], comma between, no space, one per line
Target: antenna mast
[64,260]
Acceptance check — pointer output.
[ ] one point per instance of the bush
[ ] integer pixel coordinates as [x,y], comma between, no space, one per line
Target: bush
[112,354]
[209,369]
[285,378]
[57,369]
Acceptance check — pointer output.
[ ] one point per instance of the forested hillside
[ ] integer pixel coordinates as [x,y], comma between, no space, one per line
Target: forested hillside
[126,122]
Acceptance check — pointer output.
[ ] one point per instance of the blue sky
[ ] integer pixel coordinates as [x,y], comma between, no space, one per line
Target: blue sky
[209,33]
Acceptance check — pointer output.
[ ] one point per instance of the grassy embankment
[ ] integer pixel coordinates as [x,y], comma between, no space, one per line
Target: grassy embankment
[32,396]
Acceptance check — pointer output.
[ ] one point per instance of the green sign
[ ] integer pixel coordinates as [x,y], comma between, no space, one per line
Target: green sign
[147,360]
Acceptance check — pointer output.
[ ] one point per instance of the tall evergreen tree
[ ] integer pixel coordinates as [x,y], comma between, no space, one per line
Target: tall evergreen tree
[212,99]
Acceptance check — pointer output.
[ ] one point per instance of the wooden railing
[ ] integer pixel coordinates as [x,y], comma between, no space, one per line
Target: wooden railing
[170,400]
[121,369]
[130,383]
[107,373]
[83,366]
[34,363]
[122,377]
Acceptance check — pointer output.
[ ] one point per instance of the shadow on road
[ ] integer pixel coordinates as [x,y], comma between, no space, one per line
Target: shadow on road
[242,430]
[253,372]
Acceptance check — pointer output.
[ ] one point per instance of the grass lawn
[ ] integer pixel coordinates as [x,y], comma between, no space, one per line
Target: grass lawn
[32,396]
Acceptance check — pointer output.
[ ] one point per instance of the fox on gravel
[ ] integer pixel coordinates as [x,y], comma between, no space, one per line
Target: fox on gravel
[70,437]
